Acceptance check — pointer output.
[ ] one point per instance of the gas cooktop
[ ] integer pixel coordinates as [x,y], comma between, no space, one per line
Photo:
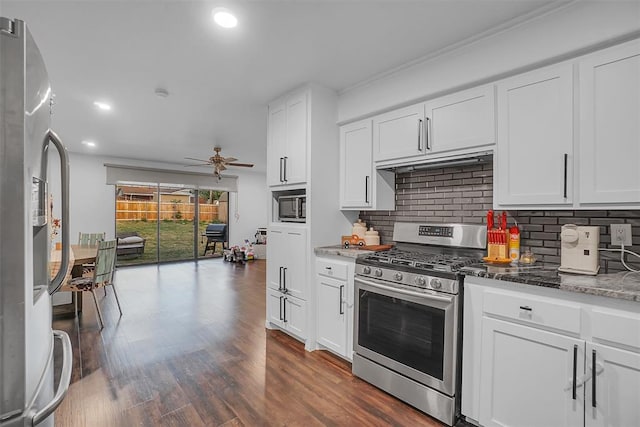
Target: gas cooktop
[421,260]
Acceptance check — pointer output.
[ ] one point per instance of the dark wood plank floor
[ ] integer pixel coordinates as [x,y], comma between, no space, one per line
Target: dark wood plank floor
[192,350]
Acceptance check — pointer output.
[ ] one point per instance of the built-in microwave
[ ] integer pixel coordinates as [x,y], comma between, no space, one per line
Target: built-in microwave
[292,208]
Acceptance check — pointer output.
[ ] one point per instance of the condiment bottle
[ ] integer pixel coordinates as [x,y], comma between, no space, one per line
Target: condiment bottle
[514,243]
[359,229]
[371,237]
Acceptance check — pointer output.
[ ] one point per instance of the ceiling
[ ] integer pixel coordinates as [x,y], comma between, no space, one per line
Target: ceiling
[220,80]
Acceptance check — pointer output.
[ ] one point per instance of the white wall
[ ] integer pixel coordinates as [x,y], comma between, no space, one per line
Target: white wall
[92,202]
[564,32]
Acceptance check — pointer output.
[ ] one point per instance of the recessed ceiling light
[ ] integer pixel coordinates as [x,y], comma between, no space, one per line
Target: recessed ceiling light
[89,144]
[102,105]
[224,18]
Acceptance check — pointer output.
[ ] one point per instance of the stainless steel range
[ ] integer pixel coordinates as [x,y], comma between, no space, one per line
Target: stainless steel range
[407,314]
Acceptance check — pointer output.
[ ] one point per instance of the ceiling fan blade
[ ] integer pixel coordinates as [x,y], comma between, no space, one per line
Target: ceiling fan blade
[243,165]
[199,164]
[229,159]
[198,160]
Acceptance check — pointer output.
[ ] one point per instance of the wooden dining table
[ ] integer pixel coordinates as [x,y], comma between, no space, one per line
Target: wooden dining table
[78,256]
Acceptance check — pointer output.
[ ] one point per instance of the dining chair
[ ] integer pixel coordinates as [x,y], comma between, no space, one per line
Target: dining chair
[90,239]
[101,278]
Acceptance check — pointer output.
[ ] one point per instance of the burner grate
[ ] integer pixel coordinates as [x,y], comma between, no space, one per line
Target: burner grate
[422,260]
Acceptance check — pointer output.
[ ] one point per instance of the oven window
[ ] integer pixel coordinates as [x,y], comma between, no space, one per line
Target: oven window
[409,333]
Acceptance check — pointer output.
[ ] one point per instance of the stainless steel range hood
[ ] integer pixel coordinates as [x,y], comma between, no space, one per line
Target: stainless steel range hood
[464,159]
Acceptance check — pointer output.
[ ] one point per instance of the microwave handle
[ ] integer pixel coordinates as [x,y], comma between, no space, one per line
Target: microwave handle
[299,214]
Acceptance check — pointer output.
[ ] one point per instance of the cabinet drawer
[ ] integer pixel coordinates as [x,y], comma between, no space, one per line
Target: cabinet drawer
[331,269]
[616,326]
[534,310]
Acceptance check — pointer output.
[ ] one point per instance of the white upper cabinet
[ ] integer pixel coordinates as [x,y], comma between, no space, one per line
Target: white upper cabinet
[356,164]
[295,162]
[440,127]
[534,153]
[399,134]
[276,142]
[287,140]
[610,126]
[361,186]
[461,120]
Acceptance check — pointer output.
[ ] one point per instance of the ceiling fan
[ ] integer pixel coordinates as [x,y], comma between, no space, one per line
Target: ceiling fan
[219,163]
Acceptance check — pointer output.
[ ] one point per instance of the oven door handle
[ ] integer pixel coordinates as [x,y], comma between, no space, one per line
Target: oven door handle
[429,296]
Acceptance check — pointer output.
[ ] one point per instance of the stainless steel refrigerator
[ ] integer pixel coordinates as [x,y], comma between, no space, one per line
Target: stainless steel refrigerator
[26,337]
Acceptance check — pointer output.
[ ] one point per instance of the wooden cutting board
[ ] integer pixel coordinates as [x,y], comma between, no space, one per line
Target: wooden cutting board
[376,247]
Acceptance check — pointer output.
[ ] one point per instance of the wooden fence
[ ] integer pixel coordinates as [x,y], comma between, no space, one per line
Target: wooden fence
[148,211]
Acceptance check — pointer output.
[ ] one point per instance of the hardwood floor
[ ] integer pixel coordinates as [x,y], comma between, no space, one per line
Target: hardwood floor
[192,350]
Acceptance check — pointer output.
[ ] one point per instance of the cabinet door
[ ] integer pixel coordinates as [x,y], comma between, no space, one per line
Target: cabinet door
[462,120]
[276,256]
[356,165]
[332,321]
[617,387]
[399,134]
[276,143]
[294,252]
[527,375]
[295,316]
[610,125]
[275,308]
[535,138]
[296,140]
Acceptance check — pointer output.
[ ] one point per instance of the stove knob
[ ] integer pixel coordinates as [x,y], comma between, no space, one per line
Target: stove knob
[378,272]
[398,276]
[366,270]
[421,281]
[436,283]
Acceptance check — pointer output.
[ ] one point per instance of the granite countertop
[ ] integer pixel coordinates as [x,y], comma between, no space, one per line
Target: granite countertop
[622,285]
[340,251]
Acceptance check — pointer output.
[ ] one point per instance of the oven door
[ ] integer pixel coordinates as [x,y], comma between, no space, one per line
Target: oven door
[411,331]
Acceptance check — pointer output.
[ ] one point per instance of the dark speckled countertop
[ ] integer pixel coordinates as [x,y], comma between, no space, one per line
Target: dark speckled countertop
[623,285]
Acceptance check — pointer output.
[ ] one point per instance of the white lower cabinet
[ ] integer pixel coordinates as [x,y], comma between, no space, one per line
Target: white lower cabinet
[527,375]
[334,282]
[616,401]
[287,313]
[521,357]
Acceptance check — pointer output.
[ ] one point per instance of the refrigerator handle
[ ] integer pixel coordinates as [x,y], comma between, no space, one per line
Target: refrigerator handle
[66,244]
[65,379]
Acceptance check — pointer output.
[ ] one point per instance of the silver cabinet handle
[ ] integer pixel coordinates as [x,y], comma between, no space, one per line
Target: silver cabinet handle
[419,134]
[285,169]
[280,279]
[285,310]
[427,132]
[280,314]
[64,176]
[593,378]
[366,189]
[566,158]
[281,159]
[341,291]
[284,281]
[525,308]
[65,379]
[575,372]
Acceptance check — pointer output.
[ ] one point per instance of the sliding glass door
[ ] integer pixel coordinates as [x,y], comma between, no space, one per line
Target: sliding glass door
[167,222]
[213,208]
[176,223]
[137,223]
